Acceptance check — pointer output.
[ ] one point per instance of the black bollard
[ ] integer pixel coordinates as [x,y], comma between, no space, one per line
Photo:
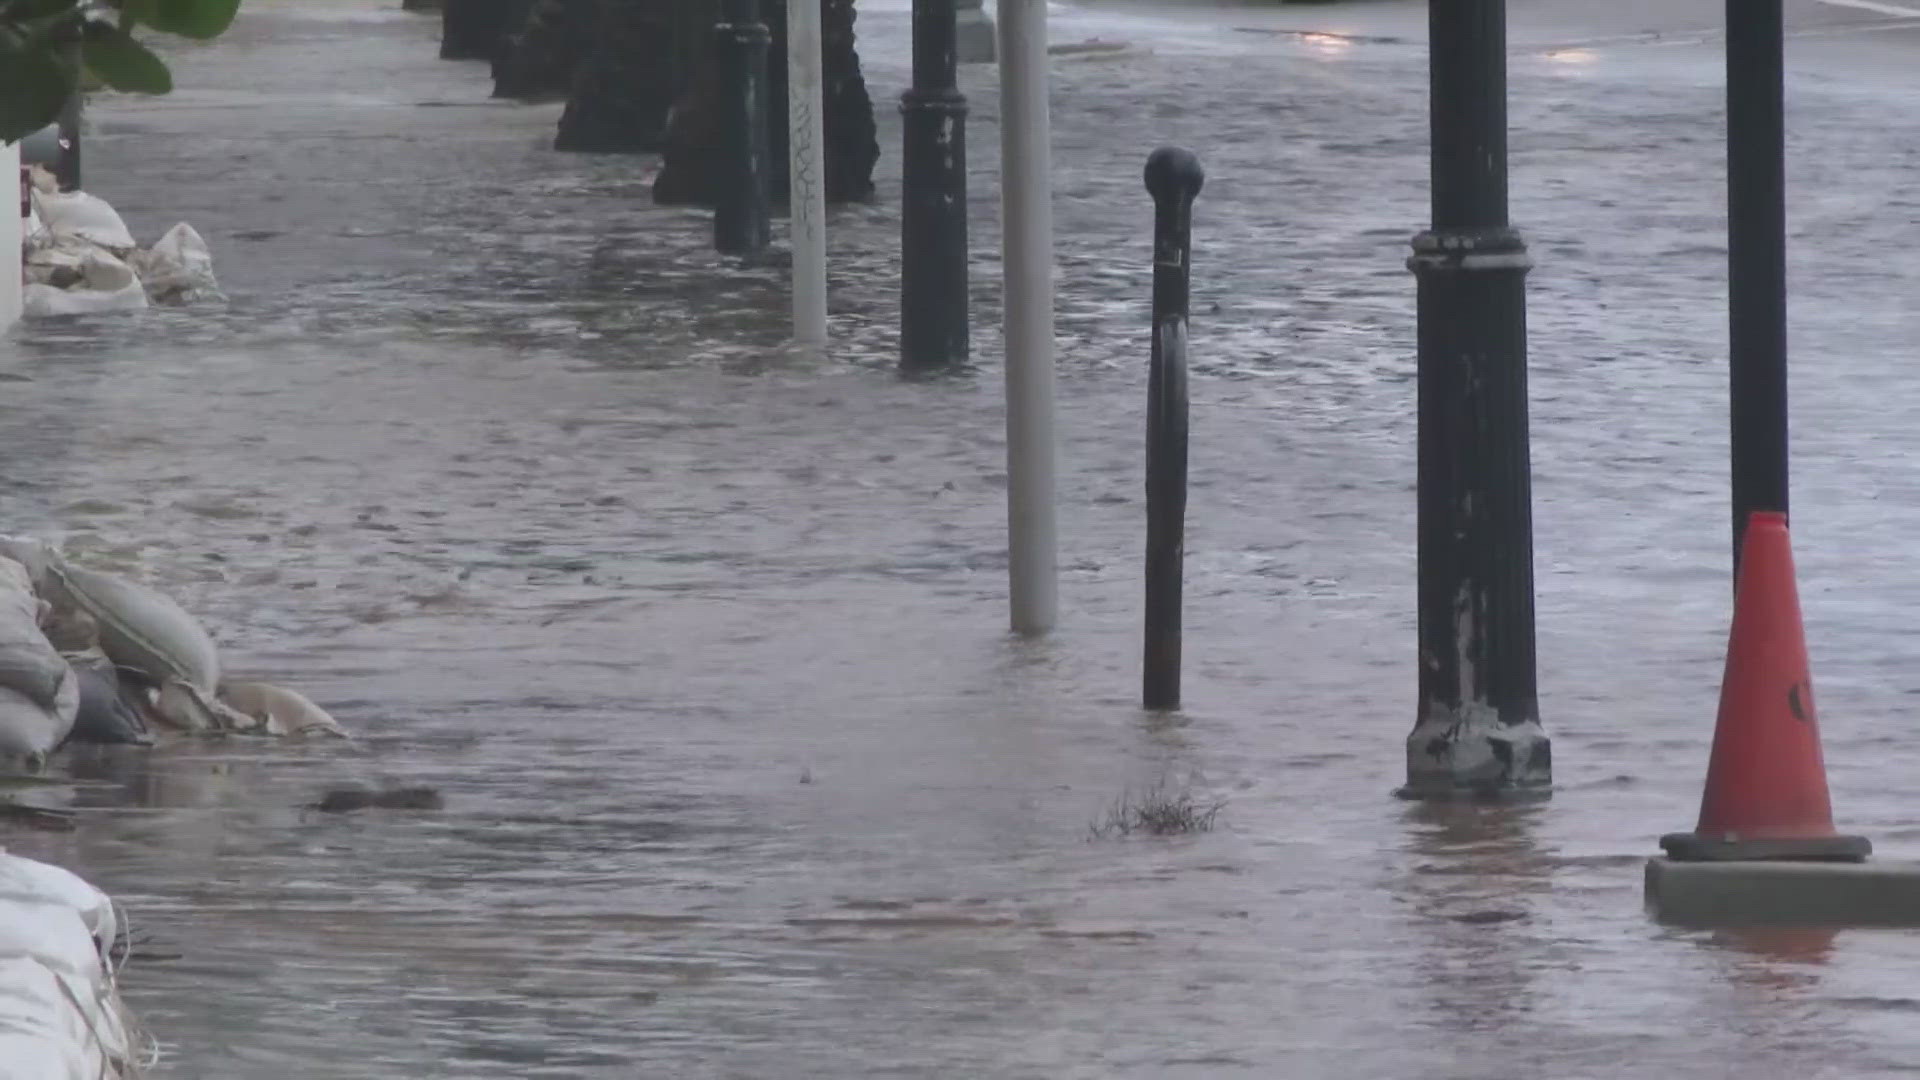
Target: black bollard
[68,167]
[1173,178]
[933,222]
[1756,261]
[1478,729]
[742,216]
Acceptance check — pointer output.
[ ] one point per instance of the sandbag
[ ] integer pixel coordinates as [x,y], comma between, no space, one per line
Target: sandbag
[186,706]
[178,269]
[31,730]
[29,666]
[86,217]
[61,1017]
[139,627]
[280,711]
[107,714]
[37,555]
[61,281]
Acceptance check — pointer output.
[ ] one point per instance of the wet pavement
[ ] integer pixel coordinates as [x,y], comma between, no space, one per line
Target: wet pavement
[703,640]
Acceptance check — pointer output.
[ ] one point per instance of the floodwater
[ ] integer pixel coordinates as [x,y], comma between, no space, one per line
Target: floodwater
[704,640]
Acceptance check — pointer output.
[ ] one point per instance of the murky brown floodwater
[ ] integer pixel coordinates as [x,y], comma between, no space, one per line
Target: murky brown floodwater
[704,641]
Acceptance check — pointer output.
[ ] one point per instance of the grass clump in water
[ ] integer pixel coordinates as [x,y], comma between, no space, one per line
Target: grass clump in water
[1158,811]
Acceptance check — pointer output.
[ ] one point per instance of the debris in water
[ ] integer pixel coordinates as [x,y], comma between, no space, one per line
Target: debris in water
[346,799]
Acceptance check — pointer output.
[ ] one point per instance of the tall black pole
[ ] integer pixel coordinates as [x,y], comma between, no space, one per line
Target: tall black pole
[1756,260]
[67,170]
[742,216]
[933,224]
[1478,727]
[1173,179]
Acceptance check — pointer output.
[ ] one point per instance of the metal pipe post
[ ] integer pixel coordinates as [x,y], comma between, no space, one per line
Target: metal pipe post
[806,188]
[1026,256]
[1478,728]
[1756,261]
[68,167]
[742,216]
[933,222]
[1173,179]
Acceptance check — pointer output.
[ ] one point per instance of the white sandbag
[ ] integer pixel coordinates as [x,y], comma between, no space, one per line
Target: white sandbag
[44,301]
[87,217]
[187,707]
[61,1017]
[73,277]
[280,711]
[35,554]
[29,664]
[139,627]
[23,879]
[29,730]
[178,269]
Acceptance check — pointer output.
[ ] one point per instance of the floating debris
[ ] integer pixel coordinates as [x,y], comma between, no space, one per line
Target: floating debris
[343,800]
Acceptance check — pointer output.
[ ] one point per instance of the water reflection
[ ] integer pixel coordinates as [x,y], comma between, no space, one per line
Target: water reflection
[1473,881]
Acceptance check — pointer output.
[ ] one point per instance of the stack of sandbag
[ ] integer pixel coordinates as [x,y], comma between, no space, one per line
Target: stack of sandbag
[61,1017]
[79,257]
[138,660]
[39,693]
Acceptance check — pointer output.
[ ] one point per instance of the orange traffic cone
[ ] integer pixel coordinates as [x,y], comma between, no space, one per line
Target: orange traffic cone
[1766,795]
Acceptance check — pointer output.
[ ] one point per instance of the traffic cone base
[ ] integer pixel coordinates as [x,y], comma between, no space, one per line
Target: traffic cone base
[1766,790]
[1694,847]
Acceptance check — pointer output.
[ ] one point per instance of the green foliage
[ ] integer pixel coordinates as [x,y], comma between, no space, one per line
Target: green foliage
[49,48]
[123,63]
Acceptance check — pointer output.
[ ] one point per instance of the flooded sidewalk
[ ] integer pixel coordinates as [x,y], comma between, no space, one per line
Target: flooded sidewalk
[704,643]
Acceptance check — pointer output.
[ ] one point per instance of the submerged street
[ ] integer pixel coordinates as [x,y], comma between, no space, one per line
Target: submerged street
[703,640]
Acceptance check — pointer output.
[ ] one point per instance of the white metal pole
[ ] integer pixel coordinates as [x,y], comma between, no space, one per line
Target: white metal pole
[807,190]
[10,238]
[1026,201]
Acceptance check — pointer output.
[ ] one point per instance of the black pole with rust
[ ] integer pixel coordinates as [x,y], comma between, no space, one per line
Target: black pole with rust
[933,223]
[743,215]
[1478,727]
[1174,178]
[1756,260]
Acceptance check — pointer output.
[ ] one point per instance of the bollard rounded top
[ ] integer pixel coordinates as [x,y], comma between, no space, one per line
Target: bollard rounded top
[1173,172]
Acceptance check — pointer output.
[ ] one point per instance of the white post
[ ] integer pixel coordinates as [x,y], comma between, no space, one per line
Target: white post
[10,236]
[807,189]
[1026,255]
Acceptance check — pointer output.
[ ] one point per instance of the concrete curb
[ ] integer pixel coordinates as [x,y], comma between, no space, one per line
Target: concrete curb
[1783,893]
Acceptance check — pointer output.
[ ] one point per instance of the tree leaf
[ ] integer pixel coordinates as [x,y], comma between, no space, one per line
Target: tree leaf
[35,81]
[123,63]
[189,18]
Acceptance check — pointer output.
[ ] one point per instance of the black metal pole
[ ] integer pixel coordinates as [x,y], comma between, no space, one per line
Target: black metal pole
[1174,178]
[933,223]
[67,170]
[1478,728]
[742,216]
[1756,261]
